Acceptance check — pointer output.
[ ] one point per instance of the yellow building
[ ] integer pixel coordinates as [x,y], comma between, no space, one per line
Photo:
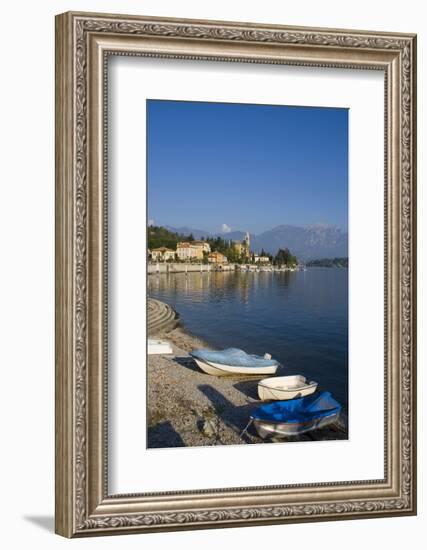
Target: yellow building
[189,251]
[238,247]
[162,254]
[217,258]
[243,247]
[203,245]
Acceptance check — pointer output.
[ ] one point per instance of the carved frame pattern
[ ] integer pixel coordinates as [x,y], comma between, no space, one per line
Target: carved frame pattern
[83,507]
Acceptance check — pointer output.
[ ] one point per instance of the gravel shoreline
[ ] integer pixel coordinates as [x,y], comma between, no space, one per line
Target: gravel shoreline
[187,407]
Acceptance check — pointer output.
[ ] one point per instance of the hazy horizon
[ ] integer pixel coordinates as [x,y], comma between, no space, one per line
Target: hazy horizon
[243,230]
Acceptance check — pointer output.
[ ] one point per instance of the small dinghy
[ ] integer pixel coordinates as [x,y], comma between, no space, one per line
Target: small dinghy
[159,347]
[285,387]
[233,361]
[284,418]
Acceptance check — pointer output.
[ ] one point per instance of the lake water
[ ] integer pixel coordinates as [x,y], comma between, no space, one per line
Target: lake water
[300,318]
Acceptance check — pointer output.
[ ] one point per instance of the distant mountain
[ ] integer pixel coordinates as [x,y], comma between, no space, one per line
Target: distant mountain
[306,242]
[309,242]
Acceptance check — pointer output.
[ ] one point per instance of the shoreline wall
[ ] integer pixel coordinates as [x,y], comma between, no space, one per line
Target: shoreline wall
[172,267]
[161,317]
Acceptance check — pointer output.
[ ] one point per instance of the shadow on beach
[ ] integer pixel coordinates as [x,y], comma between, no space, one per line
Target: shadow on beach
[161,433]
[237,418]
[234,417]
[249,388]
[187,362]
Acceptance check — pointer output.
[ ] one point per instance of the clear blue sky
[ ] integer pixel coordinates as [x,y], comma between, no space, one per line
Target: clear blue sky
[247,167]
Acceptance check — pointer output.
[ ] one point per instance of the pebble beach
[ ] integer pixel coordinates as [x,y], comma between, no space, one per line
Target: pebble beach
[187,407]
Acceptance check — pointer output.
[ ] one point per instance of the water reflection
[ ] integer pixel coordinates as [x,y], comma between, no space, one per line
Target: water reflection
[216,285]
[301,318]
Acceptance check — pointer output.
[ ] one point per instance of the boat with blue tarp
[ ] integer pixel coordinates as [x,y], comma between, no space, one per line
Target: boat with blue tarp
[297,416]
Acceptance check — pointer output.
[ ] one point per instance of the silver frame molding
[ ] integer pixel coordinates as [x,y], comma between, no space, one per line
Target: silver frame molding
[83,43]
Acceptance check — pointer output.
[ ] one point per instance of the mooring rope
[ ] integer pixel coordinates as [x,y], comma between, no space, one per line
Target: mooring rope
[246,427]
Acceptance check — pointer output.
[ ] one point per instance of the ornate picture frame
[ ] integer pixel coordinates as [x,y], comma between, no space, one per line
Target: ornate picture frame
[84,506]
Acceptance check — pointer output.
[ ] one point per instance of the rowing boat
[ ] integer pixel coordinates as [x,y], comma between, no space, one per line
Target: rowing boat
[297,416]
[233,361]
[285,387]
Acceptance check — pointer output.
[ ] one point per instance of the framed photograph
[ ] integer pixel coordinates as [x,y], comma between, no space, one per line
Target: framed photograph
[235,274]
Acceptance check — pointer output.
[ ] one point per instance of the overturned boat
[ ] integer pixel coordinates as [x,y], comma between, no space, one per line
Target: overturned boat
[233,361]
[285,387]
[294,417]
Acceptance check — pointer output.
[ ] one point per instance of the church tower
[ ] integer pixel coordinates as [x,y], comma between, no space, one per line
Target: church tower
[247,243]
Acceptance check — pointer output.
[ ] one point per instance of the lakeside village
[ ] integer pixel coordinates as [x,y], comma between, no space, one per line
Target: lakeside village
[171,252]
[200,396]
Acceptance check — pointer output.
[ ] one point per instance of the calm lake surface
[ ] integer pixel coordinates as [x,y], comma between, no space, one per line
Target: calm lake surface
[300,318]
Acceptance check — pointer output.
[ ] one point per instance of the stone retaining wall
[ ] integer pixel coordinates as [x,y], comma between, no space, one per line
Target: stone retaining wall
[161,317]
[172,267]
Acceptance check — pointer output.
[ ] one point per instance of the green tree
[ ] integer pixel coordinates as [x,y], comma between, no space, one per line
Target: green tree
[158,236]
[285,258]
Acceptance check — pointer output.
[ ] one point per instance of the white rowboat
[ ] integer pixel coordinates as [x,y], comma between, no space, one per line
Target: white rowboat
[282,388]
[217,369]
[233,361]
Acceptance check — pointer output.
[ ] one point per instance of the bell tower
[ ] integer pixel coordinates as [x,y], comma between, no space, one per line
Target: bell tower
[247,243]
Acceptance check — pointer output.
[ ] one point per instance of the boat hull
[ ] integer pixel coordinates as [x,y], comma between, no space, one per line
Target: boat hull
[281,388]
[283,429]
[217,369]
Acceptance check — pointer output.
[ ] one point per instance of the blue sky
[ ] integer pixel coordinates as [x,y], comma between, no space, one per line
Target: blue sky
[217,166]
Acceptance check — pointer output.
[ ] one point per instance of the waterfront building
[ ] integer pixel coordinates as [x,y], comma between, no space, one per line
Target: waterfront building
[217,258]
[262,259]
[238,247]
[189,251]
[162,254]
[205,246]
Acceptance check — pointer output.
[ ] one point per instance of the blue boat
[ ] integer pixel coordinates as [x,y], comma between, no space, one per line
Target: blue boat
[297,416]
[233,361]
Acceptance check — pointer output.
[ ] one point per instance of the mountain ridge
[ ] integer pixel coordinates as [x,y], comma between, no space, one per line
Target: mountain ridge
[307,242]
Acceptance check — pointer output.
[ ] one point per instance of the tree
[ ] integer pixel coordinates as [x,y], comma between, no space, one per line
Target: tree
[285,258]
[158,236]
